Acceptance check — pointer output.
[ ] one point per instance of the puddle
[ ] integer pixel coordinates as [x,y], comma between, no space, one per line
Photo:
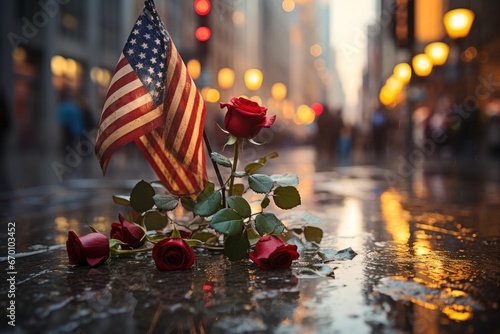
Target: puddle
[455,304]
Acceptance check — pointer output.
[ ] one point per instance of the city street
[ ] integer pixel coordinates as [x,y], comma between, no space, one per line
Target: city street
[426,244]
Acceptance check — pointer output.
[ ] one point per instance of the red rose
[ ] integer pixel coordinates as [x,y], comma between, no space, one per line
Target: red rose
[245,118]
[173,254]
[91,249]
[272,253]
[127,232]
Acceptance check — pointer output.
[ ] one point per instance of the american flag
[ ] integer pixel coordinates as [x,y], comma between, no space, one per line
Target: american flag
[153,101]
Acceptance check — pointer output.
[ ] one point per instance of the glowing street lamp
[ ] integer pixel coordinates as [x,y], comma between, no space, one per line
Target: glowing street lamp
[194,68]
[253,79]
[458,22]
[422,65]
[438,52]
[278,91]
[225,78]
[402,72]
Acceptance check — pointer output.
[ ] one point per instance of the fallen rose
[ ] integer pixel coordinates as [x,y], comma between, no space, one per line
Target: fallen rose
[245,118]
[128,233]
[272,253]
[173,254]
[91,249]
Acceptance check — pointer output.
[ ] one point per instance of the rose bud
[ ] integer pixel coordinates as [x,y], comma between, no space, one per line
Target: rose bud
[245,118]
[131,234]
[91,249]
[173,254]
[272,253]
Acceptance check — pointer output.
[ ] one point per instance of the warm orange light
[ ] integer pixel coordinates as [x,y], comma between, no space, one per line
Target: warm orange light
[458,22]
[203,33]
[387,96]
[316,50]
[253,79]
[402,71]
[422,65]
[438,52]
[288,5]
[278,91]
[194,68]
[225,78]
[202,7]
[305,114]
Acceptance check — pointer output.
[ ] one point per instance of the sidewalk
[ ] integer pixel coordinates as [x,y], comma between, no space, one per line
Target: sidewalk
[427,262]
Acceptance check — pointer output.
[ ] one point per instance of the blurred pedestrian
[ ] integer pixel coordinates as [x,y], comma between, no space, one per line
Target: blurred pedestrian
[379,124]
[70,117]
[329,125]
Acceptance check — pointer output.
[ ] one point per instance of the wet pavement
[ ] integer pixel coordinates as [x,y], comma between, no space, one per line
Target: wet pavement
[427,260]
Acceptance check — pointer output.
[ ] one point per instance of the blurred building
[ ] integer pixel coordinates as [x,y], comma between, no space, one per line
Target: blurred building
[460,96]
[57,45]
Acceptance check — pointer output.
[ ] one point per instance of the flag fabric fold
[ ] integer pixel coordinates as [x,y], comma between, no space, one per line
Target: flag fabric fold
[153,101]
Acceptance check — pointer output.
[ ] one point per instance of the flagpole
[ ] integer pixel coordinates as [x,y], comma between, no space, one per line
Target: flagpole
[216,167]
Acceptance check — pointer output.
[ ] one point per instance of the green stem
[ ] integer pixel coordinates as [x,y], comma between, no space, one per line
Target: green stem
[233,169]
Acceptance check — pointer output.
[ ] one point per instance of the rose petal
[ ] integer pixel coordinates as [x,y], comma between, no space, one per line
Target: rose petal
[268,121]
[173,254]
[266,246]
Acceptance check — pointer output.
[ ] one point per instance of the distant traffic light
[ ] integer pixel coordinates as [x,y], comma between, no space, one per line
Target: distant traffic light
[203,31]
[202,7]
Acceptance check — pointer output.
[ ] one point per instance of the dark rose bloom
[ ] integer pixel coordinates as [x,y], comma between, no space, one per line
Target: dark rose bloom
[245,118]
[272,253]
[91,249]
[173,254]
[128,233]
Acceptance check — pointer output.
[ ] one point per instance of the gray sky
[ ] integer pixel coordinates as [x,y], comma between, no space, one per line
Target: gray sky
[349,19]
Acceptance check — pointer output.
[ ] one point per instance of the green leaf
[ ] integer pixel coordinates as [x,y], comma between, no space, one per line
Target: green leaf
[121,200]
[260,183]
[285,180]
[209,189]
[188,203]
[239,174]
[267,223]
[192,242]
[240,205]
[309,218]
[166,202]
[115,243]
[205,237]
[271,155]
[253,167]
[175,234]
[265,202]
[155,238]
[153,220]
[236,246]
[221,160]
[328,255]
[92,228]
[141,197]
[286,197]
[231,140]
[209,205]
[313,234]
[253,236]
[317,269]
[227,221]
[238,189]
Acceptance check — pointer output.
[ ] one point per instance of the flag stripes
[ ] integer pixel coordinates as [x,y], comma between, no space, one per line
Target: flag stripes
[153,101]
